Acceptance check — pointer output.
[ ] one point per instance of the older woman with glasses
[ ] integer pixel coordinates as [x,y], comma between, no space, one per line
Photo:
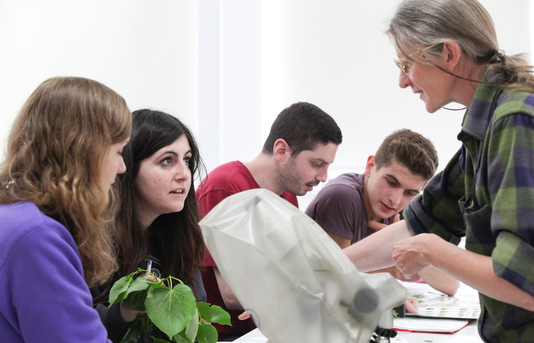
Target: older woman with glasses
[448,52]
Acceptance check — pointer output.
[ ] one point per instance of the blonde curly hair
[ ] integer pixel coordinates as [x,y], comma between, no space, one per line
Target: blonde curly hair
[55,154]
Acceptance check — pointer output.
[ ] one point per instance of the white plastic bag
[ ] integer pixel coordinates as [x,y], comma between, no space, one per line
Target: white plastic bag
[293,279]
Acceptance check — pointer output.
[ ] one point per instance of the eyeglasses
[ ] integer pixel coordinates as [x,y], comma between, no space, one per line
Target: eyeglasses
[401,63]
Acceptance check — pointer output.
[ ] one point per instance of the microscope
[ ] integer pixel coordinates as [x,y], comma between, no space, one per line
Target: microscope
[292,278]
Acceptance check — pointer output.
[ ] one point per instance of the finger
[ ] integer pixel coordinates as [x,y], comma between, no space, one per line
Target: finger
[395,218]
[397,254]
[375,226]
[416,278]
[154,279]
[150,278]
[405,273]
[243,316]
[412,305]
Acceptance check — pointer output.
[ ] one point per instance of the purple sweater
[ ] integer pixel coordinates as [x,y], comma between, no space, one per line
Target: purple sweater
[43,294]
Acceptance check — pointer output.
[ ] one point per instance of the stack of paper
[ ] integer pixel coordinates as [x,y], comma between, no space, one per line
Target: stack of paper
[429,325]
[434,304]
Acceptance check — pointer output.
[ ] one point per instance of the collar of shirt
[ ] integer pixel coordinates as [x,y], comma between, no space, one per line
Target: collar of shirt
[479,114]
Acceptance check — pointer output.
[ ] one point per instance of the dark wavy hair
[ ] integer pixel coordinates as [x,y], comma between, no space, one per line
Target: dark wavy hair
[174,238]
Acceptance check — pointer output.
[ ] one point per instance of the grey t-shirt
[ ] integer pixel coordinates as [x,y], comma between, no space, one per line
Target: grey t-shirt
[339,208]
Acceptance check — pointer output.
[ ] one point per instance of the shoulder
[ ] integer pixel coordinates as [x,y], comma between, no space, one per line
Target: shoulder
[514,102]
[225,180]
[342,192]
[27,231]
[228,168]
[292,198]
[348,184]
[42,278]
[22,213]
[231,175]
[21,218]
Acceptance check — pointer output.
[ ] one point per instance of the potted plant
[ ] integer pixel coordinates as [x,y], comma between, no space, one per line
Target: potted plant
[170,305]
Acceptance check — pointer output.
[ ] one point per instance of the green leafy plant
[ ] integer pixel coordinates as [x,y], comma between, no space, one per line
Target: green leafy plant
[172,309]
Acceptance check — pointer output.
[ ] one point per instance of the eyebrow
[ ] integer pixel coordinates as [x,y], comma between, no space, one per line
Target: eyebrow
[167,152]
[398,183]
[321,160]
[174,153]
[391,176]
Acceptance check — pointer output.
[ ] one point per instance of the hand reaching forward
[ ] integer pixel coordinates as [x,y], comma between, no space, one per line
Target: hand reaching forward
[414,253]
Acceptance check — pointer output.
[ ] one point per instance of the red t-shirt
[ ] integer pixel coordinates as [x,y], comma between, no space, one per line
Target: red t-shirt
[225,180]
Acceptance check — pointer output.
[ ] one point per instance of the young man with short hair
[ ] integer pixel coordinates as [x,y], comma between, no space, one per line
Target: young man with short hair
[302,144]
[353,206]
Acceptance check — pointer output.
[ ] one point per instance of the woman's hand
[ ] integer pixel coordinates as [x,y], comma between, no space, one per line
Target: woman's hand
[127,313]
[414,253]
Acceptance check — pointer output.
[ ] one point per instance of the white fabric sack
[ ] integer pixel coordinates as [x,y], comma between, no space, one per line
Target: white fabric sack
[293,279]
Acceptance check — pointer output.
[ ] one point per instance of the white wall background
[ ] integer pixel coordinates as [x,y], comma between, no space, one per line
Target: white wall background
[147,51]
[228,67]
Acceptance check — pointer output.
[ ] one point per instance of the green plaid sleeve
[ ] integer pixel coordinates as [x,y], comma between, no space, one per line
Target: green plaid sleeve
[510,176]
[436,210]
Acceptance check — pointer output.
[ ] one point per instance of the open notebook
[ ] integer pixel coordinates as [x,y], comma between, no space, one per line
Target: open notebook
[439,312]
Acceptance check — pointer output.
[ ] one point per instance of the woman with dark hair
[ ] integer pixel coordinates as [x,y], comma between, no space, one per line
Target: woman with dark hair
[63,154]
[157,223]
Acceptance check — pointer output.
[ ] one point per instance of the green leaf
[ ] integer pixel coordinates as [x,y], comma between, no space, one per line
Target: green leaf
[146,324]
[192,328]
[171,309]
[139,284]
[201,334]
[213,313]
[137,300]
[118,291]
[134,332]
[181,338]
[120,288]
[210,333]
[125,286]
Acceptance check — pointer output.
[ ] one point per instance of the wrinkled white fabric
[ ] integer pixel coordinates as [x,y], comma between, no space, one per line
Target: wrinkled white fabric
[293,279]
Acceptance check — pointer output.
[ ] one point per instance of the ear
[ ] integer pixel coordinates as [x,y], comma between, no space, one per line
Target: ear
[281,150]
[371,163]
[451,54]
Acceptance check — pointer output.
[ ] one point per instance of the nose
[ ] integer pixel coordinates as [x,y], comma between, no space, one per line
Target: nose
[404,80]
[121,167]
[395,197]
[323,174]
[181,170]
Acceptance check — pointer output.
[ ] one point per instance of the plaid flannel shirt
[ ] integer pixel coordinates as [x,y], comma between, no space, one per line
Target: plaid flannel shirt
[486,193]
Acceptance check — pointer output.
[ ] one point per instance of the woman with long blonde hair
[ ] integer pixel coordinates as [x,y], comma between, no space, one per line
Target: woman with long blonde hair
[63,154]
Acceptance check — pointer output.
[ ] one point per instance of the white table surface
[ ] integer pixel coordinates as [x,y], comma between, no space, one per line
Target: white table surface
[469,334]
